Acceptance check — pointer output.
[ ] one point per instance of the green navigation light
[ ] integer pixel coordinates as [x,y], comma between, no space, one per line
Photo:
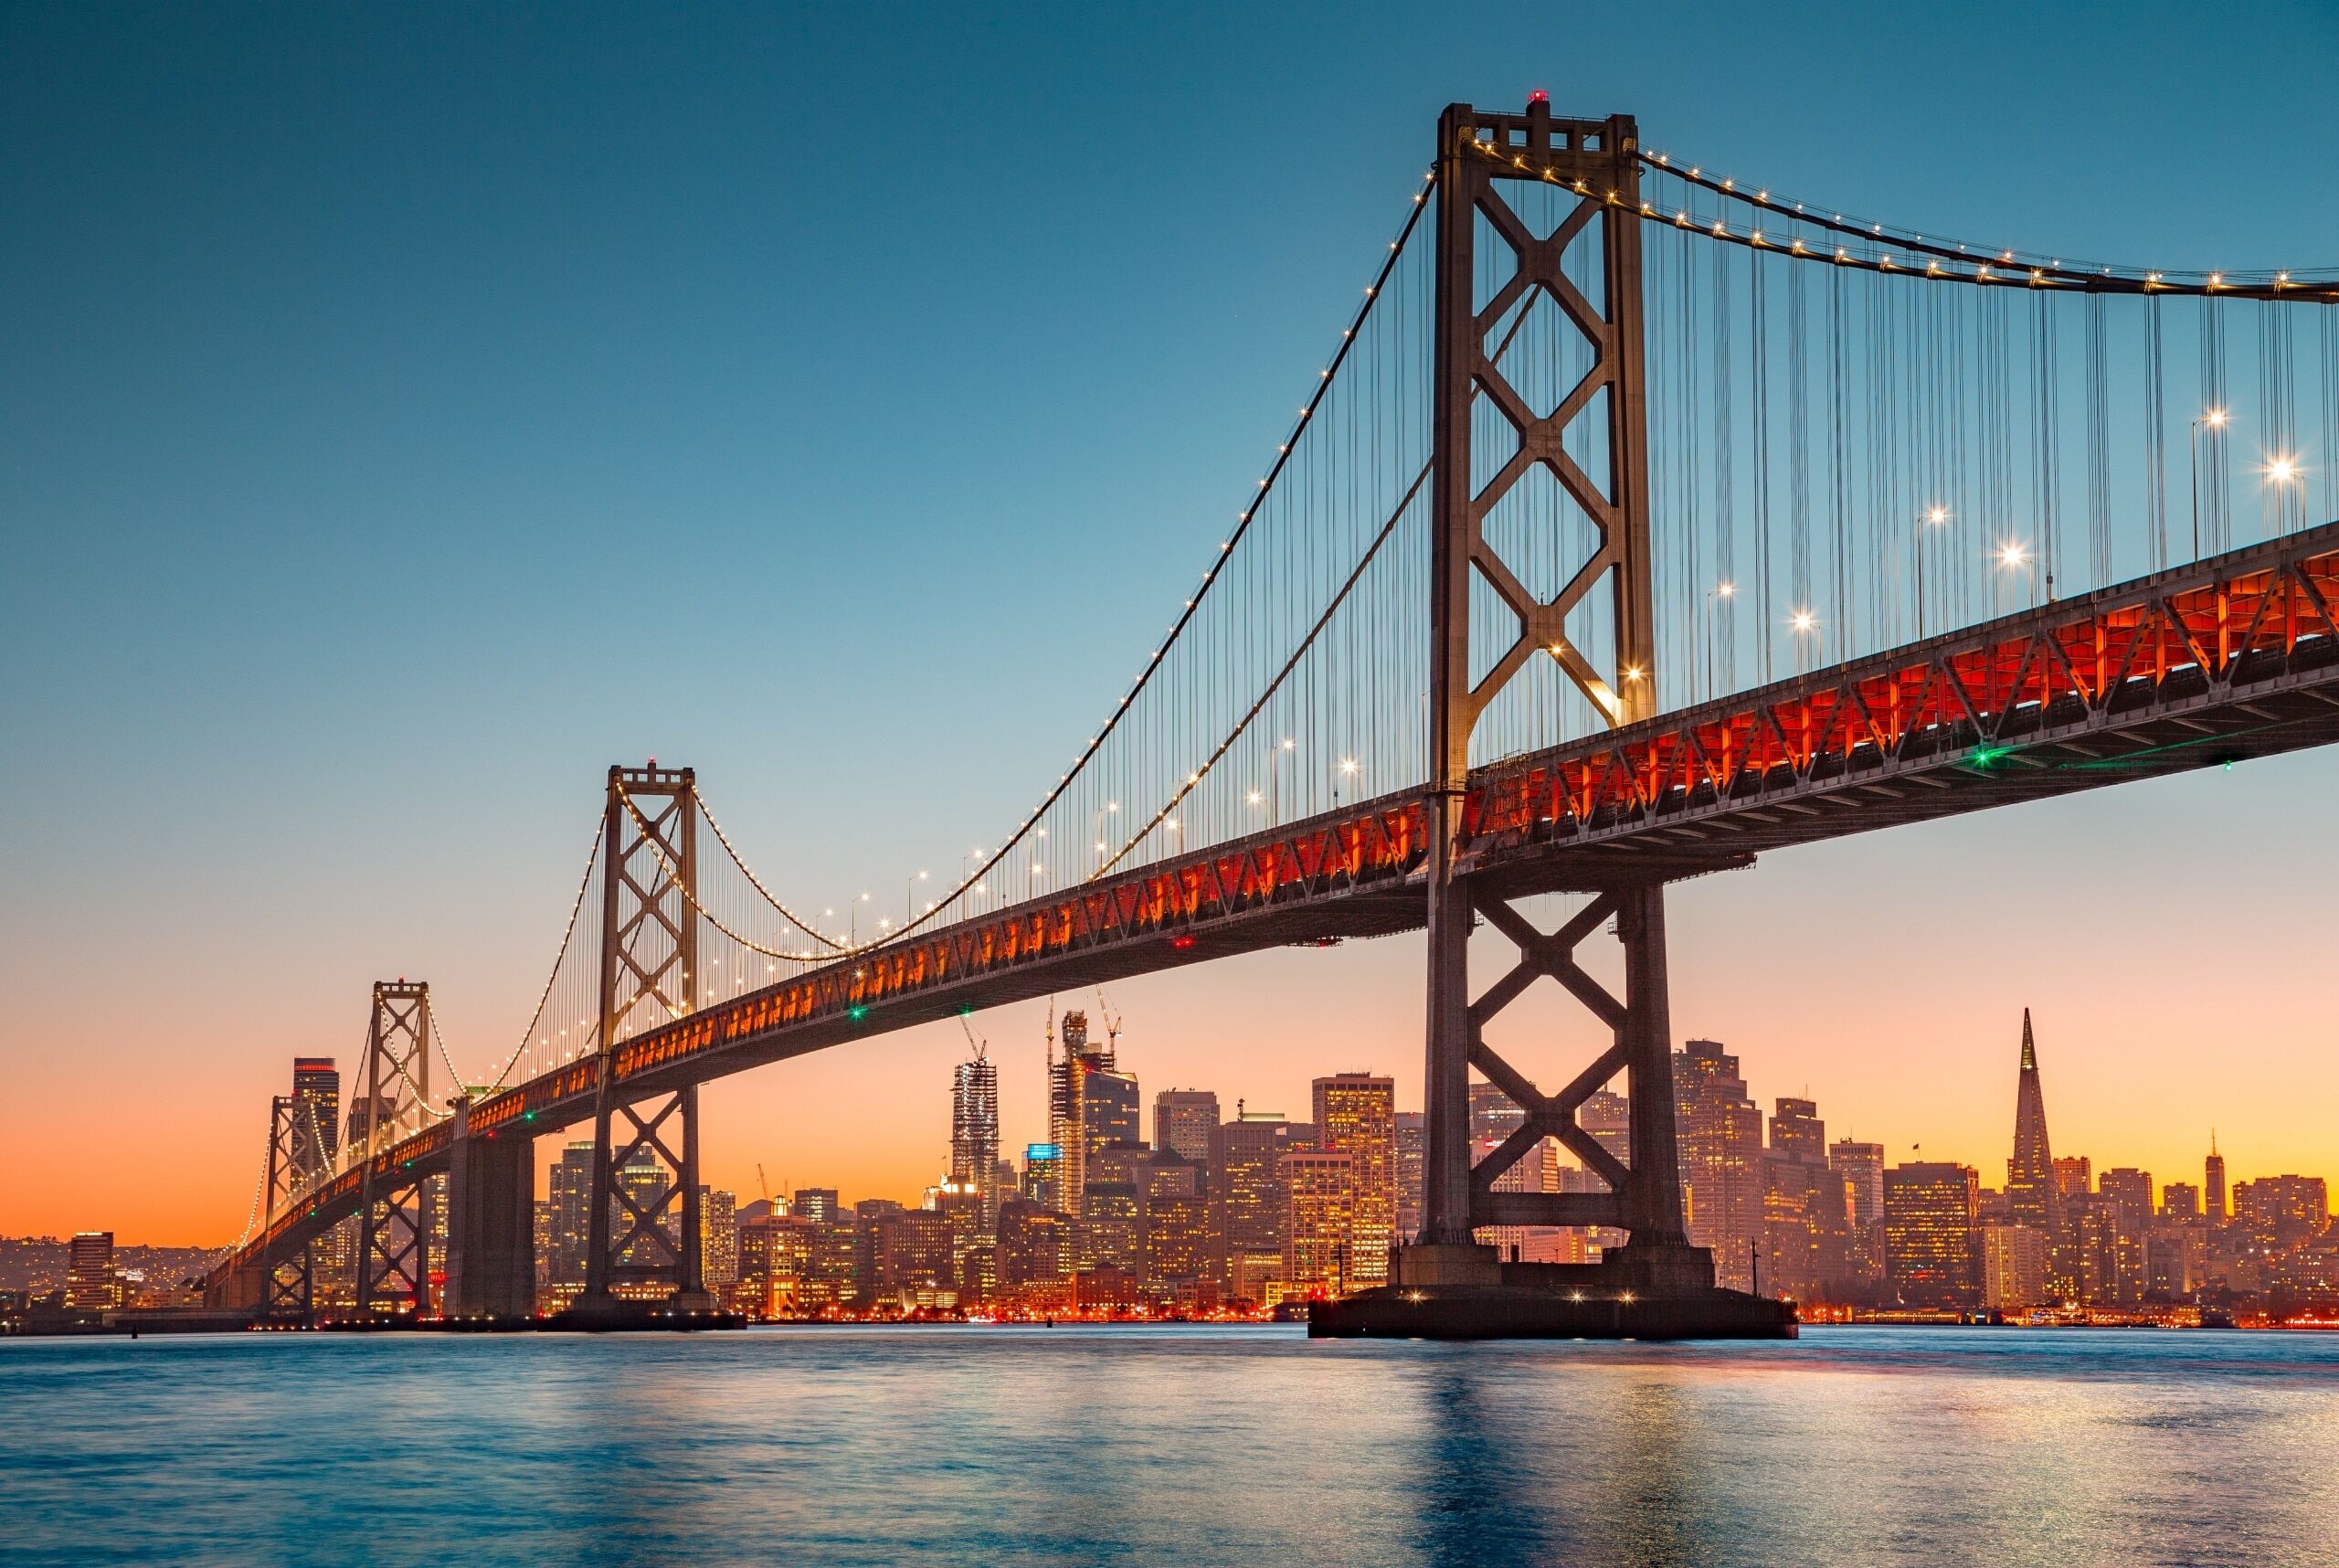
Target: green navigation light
[856,1013]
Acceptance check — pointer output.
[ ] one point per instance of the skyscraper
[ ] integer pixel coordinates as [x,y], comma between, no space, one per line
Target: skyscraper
[89,1282]
[1072,1104]
[1320,1251]
[1720,1134]
[316,1120]
[1356,1114]
[2213,1182]
[974,1134]
[1797,1133]
[1861,1164]
[1412,1146]
[2033,1198]
[1248,1154]
[1183,1121]
[1933,1233]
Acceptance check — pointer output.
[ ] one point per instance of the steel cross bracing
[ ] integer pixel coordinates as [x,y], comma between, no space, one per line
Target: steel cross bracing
[285,1278]
[649,959]
[393,1197]
[2234,657]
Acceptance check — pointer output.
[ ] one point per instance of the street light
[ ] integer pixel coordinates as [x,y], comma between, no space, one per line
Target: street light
[2216,420]
[2013,557]
[1725,591]
[1933,518]
[1806,624]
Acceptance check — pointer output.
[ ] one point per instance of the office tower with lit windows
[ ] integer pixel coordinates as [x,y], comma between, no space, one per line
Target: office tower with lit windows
[974,1134]
[1319,1227]
[1356,1114]
[316,1121]
[1043,1177]
[2131,1190]
[1248,1155]
[1183,1121]
[90,1285]
[1720,1132]
[2033,1195]
[2014,1267]
[815,1203]
[1862,1165]
[718,1227]
[2074,1178]
[1797,1133]
[570,1191]
[1174,1224]
[1933,1233]
[2180,1201]
[1413,1148]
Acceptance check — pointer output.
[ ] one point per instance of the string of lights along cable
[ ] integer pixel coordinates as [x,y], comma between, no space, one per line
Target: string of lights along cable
[1860,435]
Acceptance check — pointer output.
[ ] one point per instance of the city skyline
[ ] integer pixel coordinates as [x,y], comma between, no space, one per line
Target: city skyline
[972,1115]
[202,596]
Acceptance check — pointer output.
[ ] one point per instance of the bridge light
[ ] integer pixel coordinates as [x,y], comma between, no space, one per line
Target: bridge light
[1181,942]
[1804,621]
[1348,764]
[2282,470]
[2012,555]
[856,1013]
[1253,796]
[1938,514]
[1727,590]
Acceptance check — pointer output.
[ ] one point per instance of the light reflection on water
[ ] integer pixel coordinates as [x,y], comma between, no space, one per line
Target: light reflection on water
[1172,1446]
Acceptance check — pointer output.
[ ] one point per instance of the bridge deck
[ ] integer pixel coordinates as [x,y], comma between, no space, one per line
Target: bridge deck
[2232,658]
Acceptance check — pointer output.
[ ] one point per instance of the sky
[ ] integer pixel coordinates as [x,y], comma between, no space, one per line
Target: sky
[406,412]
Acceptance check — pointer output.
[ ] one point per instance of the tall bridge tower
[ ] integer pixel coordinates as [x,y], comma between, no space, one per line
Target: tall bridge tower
[644,1233]
[1480,156]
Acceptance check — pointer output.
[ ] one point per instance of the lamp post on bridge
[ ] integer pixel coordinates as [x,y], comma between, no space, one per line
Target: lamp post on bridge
[2216,420]
[1933,517]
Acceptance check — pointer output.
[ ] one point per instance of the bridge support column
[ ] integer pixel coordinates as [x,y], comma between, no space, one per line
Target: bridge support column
[1447,1284]
[642,1251]
[491,1223]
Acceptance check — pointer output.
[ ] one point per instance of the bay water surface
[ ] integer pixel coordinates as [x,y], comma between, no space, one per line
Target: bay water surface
[1171,1445]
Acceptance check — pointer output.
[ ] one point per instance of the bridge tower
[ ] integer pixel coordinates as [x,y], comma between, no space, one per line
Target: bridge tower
[649,961]
[287,1294]
[394,1204]
[1482,157]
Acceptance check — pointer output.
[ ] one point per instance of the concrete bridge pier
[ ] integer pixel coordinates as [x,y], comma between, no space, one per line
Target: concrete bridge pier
[491,1223]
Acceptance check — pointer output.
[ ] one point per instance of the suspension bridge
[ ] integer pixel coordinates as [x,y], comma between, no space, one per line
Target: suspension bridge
[1641,519]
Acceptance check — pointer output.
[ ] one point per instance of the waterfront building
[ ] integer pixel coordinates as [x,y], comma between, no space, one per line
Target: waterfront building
[1031,1245]
[2174,1259]
[1321,1224]
[1932,1227]
[1720,1132]
[568,1191]
[1808,1245]
[90,1284]
[2014,1267]
[718,1230]
[1247,1153]
[1356,1114]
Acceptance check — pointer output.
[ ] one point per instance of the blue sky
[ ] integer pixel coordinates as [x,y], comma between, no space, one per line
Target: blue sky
[408,411]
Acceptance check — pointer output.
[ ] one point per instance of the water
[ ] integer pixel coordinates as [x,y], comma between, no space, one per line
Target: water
[1170,1446]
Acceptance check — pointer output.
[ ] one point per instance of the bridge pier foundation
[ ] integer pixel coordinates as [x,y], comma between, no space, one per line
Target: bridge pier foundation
[490,1224]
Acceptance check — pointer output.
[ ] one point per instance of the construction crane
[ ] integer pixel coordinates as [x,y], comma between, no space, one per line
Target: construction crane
[981,1046]
[1112,1023]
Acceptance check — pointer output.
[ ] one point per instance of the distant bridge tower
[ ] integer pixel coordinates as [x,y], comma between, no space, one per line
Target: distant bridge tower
[287,1277]
[1480,158]
[394,1204]
[649,972]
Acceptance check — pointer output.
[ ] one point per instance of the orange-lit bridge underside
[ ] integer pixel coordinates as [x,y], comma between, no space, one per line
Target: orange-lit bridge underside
[2236,657]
